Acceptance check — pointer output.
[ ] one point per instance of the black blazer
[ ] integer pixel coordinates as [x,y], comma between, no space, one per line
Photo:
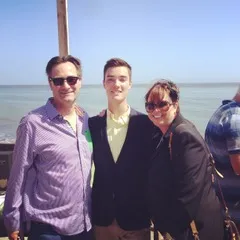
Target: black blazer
[180,186]
[119,188]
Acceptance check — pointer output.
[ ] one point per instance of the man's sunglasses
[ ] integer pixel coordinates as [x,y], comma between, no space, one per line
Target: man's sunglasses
[59,81]
[163,105]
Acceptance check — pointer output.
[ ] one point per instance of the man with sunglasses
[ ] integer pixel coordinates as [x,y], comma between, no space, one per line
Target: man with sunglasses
[49,184]
[122,147]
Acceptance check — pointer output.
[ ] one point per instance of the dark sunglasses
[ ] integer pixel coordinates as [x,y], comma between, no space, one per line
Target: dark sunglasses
[58,81]
[163,105]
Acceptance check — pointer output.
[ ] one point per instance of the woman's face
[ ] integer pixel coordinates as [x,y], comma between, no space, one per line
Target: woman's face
[161,112]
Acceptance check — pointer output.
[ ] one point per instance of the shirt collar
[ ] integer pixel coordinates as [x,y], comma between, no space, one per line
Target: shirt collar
[51,110]
[224,102]
[122,119]
[53,113]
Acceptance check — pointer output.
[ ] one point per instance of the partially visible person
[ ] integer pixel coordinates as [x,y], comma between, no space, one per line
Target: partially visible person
[180,188]
[223,138]
[122,149]
[49,183]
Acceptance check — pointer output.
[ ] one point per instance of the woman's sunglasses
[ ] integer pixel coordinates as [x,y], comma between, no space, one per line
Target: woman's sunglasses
[58,81]
[163,105]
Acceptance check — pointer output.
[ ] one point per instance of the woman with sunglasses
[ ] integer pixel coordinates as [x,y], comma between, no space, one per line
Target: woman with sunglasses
[181,198]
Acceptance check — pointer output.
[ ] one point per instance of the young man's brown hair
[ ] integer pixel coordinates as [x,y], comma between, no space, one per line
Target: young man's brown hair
[116,62]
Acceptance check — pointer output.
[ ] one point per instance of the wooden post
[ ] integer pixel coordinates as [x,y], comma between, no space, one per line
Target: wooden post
[62,16]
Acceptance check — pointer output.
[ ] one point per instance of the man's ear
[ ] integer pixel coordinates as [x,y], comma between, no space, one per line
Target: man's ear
[130,84]
[50,84]
[176,105]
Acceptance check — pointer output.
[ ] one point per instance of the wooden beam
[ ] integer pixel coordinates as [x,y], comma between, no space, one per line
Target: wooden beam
[63,36]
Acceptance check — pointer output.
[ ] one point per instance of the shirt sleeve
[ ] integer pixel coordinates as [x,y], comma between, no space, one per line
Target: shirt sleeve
[22,160]
[231,129]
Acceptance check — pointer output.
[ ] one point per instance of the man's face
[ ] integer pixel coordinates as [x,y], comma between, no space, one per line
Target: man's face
[117,82]
[66,94]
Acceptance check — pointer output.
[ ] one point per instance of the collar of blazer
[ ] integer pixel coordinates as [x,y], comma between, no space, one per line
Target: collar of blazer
[102,121]
[177,121]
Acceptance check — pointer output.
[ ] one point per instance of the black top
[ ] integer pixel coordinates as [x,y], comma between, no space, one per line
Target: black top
[119,189]
[180,186]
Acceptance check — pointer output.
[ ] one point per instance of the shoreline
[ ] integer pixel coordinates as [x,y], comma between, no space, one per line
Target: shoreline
[10,141]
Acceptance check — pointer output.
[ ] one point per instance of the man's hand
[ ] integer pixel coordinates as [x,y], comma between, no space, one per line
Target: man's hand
[14,235]
[101,114]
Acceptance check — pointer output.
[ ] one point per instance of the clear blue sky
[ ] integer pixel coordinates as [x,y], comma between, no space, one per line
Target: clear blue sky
[184,40]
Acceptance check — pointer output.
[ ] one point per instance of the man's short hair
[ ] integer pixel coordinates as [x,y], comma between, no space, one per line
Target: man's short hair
[58,60]
[116,62]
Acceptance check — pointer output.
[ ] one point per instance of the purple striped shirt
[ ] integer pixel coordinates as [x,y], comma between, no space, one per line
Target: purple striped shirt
[50,175]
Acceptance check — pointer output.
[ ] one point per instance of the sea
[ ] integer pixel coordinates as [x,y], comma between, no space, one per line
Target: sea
[198,101]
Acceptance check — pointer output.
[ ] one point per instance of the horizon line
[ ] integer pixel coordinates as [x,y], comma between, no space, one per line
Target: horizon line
[137,83]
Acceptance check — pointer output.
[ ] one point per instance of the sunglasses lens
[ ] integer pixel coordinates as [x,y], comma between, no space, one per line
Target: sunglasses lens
[162,104]
[149,106]
[58,81]
[72,80]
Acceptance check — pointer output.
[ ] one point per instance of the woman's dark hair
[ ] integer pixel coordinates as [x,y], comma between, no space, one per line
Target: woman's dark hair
[157,91]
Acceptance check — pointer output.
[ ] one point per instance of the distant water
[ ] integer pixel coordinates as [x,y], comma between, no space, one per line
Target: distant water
[197,102]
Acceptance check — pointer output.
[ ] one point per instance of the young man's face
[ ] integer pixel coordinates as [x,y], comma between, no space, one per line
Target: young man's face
[117,82]
[66,93]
